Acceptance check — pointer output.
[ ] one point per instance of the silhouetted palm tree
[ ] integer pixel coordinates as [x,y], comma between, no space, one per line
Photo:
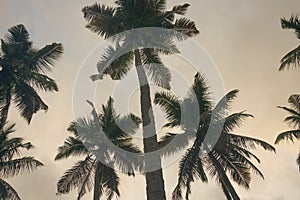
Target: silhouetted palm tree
[10,164]
[131,14]
[231,153]
[22,72]
[91,170]
[293,57]
[293,120]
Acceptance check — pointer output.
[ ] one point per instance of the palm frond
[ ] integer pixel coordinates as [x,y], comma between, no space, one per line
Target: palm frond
[7,192]
[249,142]
[75,176]
[42,82]
[17,34]
[292,23]
[171,106]
[72,147]
[158,73]
[288,135]
[186,27]
[223,105]
[291,58]
[101,20]
[44,59]
[14,167]
[178,9]
[113,64]
[234,121]
[294,101]
[28,101]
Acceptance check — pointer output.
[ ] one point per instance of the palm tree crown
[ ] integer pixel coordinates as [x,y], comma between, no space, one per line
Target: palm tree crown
[10,166]
[144,49]
[293,57]
[22,72]
[97,167]
[229,155]
[293,120]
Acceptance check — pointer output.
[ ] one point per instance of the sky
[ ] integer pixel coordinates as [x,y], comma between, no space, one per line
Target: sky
[243,38]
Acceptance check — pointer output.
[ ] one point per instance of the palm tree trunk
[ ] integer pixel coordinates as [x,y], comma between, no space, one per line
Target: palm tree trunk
[225,181]
[97,181]
[154,179]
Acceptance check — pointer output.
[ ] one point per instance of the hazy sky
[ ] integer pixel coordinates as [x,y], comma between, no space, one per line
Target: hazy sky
[243,38]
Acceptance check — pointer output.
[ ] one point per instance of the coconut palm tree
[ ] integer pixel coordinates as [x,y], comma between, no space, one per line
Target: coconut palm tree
[23,72]
[93,170]
[293,120]
[225,154]
[11,162]
[113,22]
[293,57]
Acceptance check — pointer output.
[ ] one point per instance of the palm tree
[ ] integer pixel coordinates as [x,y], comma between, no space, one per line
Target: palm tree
[108,21]
[10,165]
[230,155]
[91,170]
[23,72]
[293,120]
[293,57]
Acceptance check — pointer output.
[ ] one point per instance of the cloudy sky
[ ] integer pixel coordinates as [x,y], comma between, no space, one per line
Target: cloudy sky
[243,38]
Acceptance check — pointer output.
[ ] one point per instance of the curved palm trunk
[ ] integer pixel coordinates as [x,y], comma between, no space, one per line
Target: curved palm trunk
[97,181]
[226,184]
[154,179]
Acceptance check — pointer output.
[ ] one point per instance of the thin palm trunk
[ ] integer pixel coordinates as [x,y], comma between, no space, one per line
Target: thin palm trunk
[97,181]
[154,179]
[225,181]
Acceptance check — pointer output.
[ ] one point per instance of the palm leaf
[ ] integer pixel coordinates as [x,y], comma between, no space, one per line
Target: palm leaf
[158,73]
[14,167]
[45,58]
[288,135]
[72,147]
[43,82]
[27,100]
[7,192]
[171,106]
[75,176]
[292,23]
[293,57]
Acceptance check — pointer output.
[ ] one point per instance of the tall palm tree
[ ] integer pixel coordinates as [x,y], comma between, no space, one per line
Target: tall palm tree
[293,120]
[131,14]
[293,57]
[92,171]
[11,162]
[231,153]
[23,72]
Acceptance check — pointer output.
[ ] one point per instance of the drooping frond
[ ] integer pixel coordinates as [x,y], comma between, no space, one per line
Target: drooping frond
[288,135]
[114,64]
[249,142]
[76,177]
[291,58]
[158,73]
[28,101]
[171,106]
[14,167]
[42,82]
[294,101]
[7,192]
[190,168]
